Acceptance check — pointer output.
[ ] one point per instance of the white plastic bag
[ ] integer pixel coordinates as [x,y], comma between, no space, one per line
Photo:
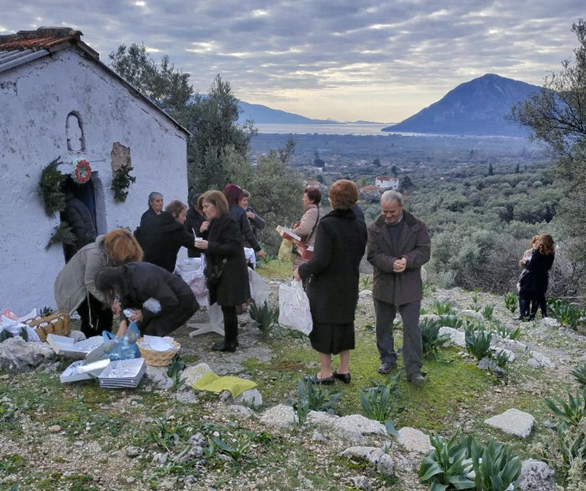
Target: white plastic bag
[294,312]
[259,290]
[192,272]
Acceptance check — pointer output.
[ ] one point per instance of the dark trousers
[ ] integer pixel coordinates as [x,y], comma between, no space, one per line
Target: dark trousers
[230,325]
[95,317]
[412,342]
[169,320]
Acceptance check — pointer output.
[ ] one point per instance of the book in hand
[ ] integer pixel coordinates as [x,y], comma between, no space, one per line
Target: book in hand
[302,249]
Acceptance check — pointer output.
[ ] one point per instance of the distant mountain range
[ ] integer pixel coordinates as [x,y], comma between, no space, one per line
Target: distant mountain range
[477,107]
[265,115]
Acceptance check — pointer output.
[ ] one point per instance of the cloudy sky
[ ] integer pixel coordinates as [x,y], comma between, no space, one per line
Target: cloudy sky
[344,59]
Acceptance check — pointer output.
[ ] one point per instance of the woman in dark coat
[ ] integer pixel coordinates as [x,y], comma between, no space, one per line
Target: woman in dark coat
[226,269]
[333,287]
[162,236]
[194,223]
[135,283]
[234,195]
[535,279]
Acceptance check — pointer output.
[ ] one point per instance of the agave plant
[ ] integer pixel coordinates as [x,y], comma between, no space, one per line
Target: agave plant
[381,402]
[433,341]
[450,321]
[502,359]
[488,311]
[312,397]
[478,343]
[263,316]
[511,302]
[495,465]
[570,412]
[443,308]
[579,374]
[446,466]
[505,332]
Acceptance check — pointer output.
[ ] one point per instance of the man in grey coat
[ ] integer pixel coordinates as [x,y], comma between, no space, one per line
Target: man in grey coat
[398,245]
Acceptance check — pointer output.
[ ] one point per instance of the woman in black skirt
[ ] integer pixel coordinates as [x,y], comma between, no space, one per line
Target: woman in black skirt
[333,275]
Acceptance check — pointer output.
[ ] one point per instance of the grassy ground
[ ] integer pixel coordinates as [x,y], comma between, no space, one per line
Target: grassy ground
[90,449]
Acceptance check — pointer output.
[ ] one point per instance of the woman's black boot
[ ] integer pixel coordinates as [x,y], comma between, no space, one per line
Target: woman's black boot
[230,342]
[523,309]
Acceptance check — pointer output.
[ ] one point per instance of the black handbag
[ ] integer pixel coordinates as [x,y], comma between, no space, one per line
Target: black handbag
[214,272]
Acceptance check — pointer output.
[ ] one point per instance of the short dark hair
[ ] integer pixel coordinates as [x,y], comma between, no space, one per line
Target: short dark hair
[343,194]
[233,193]
[175,208]
[314,194]
[217,199]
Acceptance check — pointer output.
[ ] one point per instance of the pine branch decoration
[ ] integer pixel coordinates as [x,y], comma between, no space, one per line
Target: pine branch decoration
[62,233]
[121,182]
[50,188]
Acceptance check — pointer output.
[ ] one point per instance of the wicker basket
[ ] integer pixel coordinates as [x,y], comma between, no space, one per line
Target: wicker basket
[157,358]
[55,323]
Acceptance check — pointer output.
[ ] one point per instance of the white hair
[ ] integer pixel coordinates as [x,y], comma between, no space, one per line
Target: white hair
[390,195]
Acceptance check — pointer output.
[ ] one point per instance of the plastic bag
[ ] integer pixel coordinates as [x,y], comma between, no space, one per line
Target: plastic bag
[259,290]
[285,250]
[294,311]
[192,272]
[124,348]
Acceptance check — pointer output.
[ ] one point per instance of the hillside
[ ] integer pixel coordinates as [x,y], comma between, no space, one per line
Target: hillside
[477,107]
[265,115]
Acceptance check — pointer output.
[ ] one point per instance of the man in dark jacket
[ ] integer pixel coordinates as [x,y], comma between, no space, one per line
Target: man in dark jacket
[79,218]
[398,245]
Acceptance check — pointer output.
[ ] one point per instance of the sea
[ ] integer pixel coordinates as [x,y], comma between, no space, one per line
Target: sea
[323,129]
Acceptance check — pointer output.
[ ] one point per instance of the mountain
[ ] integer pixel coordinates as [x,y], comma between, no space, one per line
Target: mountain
[265,115]
[477,107]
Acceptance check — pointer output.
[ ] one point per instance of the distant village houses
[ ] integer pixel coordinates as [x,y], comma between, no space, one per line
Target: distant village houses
[385,183]
[59,101]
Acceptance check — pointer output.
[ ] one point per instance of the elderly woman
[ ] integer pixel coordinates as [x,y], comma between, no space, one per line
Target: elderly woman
[75,286]
[333,289]
[163,235]
[306,228]
[535,280]
[226,271]
[234,195]
[155,205]
[135,283]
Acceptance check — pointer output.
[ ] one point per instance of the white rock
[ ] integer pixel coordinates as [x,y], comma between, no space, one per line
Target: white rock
[318,437]
[361,482]
[16,355]
[240,412]
[77,336]
[513,422]
[457,337]
[279,416]
[414,440]
[540,360]
[159,377]
[550,323]
[186,396]
[251,398]
[193,373]
[536,476]
[470,315]
[365,294]
[356,423]
[321,418]
[383,462]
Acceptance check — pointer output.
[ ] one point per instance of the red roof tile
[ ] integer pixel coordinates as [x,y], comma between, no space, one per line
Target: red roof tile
[42,38]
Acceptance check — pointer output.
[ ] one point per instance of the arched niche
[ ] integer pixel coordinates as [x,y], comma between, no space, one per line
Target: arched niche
[74,132]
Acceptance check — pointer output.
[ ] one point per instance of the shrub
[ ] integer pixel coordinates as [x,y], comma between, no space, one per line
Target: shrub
[450,321]
[381,402]
[495,465]
[570,412]
[511,301]
[432,340]
[579,374]
[443,308]
[446,466]
[312,398]
[478,343]
[565,312]
[488,311]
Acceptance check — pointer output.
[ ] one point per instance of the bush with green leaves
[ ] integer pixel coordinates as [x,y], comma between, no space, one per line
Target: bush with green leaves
[565,312]
[174,372]
[478,343]
[579,373]
[511,302]
[505,332]
[443,308]
[495,465]
[488,311]
[381,402]
[446,466]
[433,341]
[264,317]
[450,321]
[312,397]
[571,411]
